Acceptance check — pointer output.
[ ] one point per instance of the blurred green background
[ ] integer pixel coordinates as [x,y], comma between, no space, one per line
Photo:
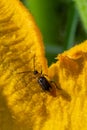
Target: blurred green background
[63,23]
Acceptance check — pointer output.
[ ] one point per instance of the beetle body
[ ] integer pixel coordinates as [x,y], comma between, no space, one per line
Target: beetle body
[45,84]
[42,80]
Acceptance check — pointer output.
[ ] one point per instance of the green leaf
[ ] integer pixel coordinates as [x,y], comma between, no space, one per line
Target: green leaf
[82,9]
[72,22]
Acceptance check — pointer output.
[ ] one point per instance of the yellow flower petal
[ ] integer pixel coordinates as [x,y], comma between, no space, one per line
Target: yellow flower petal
[71,73]
[20,45]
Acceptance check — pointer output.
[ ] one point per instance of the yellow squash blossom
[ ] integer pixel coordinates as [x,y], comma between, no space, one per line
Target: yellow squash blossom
[24,105]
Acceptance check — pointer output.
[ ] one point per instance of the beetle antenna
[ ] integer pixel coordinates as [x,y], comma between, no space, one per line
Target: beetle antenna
[34,62]
[41,70]
[35,71]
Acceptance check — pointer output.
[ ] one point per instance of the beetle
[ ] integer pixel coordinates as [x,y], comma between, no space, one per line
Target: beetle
[46,85]
[42,80]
